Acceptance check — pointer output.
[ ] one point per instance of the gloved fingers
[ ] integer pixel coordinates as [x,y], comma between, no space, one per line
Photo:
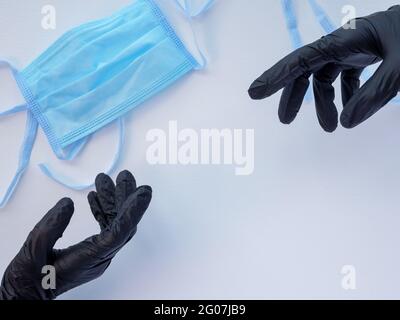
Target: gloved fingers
[106,244]
[350,81]
[132,212]
[343,45]
[106,194]
[301,62]
[126,185]
[98,213]
[324,94]
[292,99]
[372,96]
[44,236]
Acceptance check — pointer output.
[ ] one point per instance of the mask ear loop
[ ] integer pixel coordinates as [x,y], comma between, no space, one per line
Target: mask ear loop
[74,185]
[27,143]
[292,23]
[294,32]
[322,17]
[13,110]
[190,15]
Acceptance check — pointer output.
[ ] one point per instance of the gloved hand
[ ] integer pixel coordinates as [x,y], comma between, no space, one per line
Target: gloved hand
[345,52]
[118,209]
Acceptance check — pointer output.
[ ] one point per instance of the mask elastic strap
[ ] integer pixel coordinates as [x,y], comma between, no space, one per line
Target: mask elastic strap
[292,23]
[205,7]
[16,109]
[24,157]
[294,32]
[322,17]
[13,110]
[25,152]
[191,15]
[70,183]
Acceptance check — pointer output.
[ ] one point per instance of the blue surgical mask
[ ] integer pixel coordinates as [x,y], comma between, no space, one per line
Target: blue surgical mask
[93,75]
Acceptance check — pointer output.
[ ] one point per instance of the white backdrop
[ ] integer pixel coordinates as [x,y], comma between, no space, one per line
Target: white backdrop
[315,202]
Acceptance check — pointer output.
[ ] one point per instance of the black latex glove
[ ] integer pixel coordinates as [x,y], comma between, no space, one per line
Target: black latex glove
[118,209]
[345,52]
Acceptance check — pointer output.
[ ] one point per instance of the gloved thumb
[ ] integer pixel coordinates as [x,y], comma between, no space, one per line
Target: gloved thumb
[51,228]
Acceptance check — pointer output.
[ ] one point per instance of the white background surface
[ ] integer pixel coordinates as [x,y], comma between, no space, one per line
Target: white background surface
[315,203]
